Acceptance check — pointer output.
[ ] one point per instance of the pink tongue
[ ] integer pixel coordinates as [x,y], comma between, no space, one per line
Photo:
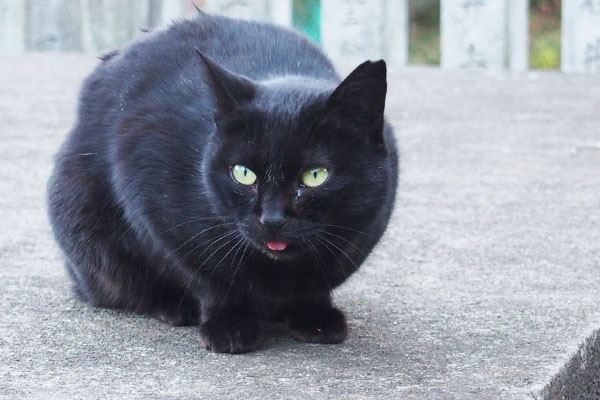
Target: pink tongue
[278,246]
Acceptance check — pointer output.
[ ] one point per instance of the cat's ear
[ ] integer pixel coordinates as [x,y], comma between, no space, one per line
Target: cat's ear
[231,90]
[361,98]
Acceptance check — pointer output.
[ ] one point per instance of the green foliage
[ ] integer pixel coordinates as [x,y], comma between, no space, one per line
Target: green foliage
[424,40]
[545,51]
[544,34]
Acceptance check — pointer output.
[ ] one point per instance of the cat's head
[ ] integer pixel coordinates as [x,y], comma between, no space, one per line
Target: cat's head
[298,163]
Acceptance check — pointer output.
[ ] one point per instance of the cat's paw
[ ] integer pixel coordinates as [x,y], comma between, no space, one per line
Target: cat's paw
[178,313]
[230,335]
[182,317]
[318,325]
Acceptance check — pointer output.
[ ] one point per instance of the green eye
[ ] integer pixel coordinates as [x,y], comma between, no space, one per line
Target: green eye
[243,175]
[315,177]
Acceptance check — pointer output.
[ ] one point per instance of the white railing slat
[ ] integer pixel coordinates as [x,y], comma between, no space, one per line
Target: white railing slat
[518,34]
[12,26]
[580,41]
[281,12]
[109,24]
[473,34]
[164,12]
[275,11]
[396,23]
[353,31]
[244,9]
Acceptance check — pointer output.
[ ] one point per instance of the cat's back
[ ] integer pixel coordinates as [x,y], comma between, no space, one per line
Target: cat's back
[163,66]
[257,50]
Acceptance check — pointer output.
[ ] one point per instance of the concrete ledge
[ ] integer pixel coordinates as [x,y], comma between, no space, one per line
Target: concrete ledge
[580,377]
[483,287]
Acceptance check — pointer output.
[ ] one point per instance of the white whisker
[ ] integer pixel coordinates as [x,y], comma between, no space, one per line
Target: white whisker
[332,252]
[315,254]
[236,269]
[350,229]
[342,251]
[345,240]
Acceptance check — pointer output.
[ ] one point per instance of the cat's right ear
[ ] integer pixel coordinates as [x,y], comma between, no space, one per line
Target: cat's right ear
[230,89]
[360,98]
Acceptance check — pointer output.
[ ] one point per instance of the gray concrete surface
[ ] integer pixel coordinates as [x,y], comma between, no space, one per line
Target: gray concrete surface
[580,377]
[484,286]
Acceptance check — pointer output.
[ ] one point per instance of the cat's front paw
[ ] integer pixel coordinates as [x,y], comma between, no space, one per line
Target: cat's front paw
[178,313]
[230,335]
[318,325]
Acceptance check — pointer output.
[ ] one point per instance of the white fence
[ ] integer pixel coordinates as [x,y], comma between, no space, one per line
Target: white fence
[474,33]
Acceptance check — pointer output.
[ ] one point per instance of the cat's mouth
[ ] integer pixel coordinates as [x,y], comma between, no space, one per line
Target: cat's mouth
[278,250]
[277,246]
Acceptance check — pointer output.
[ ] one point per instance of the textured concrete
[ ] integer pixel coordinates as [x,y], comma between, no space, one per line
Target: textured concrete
[580,378]
[483,287]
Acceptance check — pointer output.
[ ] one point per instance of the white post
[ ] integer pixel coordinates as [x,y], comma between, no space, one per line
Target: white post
[396,32]
[518,35]
[581,36]
[53,25]
[42,28]
[281,12]
[110,24]
[139,17]
[473,34]
[164,12]
[244,9]
[275,11]
[12,26]
[353,31]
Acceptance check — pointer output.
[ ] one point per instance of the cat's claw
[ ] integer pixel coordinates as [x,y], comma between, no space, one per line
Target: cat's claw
[321,325]
[230,335]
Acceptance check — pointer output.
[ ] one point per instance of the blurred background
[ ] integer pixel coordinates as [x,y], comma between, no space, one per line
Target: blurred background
[544,33]
[513,34]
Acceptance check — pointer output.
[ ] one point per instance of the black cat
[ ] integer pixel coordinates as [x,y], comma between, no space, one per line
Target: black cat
[219,174]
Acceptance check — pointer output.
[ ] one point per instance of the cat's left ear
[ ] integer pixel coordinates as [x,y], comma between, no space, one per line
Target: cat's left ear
[231,90]
[361,98]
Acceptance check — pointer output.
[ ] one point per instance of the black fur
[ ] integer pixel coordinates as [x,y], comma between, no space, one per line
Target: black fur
[144,206]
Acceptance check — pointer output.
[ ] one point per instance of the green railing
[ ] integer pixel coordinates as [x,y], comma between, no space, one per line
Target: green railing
[306,16]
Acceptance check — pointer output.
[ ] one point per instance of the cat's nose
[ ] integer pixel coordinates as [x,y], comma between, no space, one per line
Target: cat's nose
[273,221]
